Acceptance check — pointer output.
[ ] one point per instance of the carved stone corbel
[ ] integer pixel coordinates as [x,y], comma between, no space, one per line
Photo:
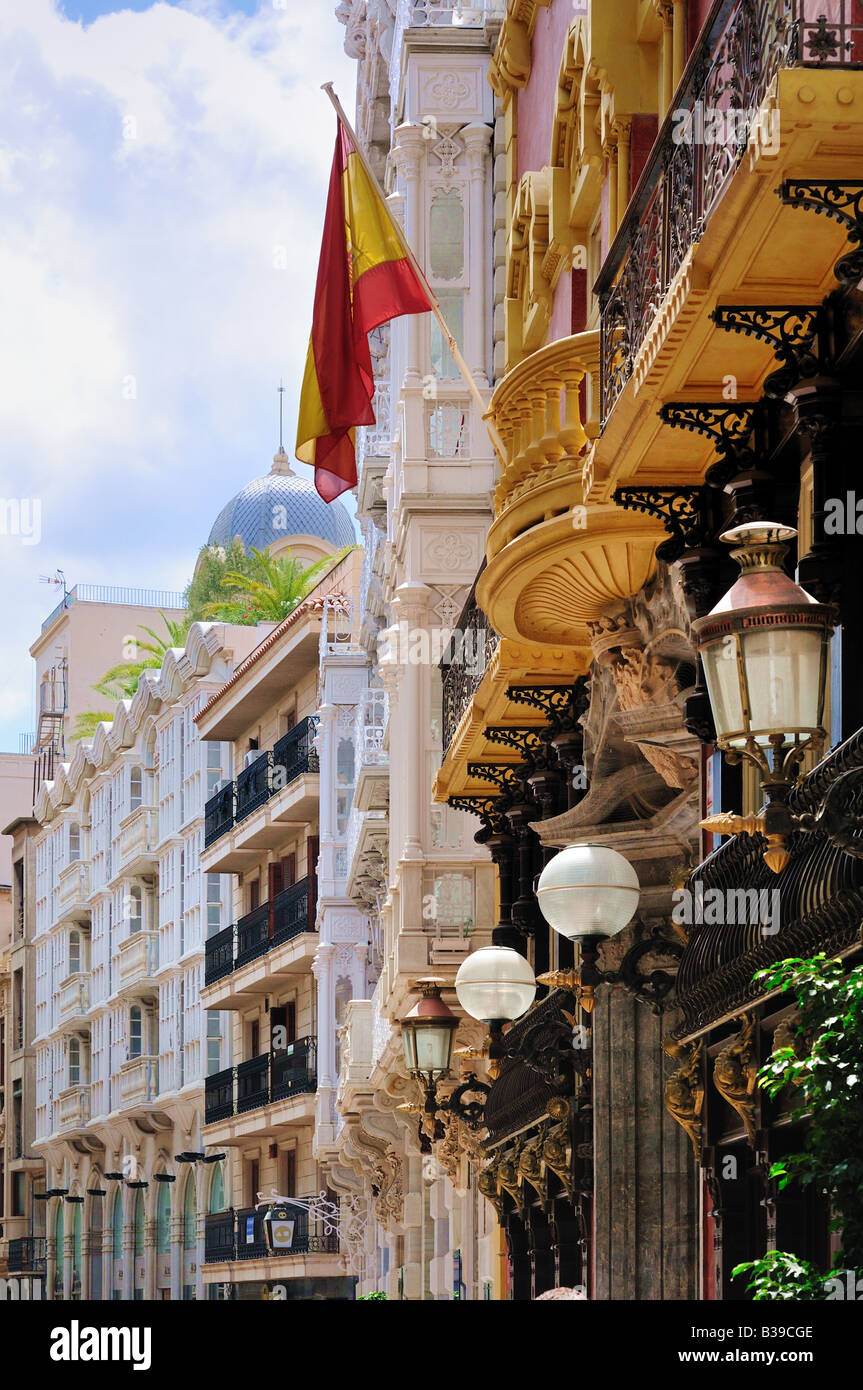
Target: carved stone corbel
[735,1074]
[684,1091]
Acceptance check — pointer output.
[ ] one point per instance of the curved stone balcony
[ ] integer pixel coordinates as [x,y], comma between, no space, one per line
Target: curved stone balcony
[553,564]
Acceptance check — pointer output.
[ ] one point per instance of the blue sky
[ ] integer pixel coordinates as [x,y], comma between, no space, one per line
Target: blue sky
[163,172]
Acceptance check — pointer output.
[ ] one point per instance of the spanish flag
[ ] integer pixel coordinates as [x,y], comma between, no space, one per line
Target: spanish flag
[364,278]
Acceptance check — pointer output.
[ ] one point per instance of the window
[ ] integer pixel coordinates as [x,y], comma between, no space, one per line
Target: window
[214,904]
[136,788]
[214,1042]
[136,1031]
[74,841]
[214,766]
[74,1061]
[253,1180]
[217,1190]
[134,903]
[254,1038]
[446,235]
[190,1215]
[74,953]
[452,305]
[163,1219]
[117,1226]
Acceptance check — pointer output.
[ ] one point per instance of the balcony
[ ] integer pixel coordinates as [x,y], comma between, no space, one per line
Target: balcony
[371,759]
[73,890]
[139,961]
[139,1081]
[73,1000]
[277,790]
[461,676]
[270,1080]
[705,232]
[554,564]
[258,937]
[28,1255]
[219,814]
[139,835]
[73,1108]
[731,70]
[239,1235]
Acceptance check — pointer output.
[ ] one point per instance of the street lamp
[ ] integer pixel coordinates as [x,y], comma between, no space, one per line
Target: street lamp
[587,893]
[764,649]
[495,985]
[427,1034]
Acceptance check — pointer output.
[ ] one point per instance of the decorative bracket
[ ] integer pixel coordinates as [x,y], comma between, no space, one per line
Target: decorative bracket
[680,509]
[841,199]
[797,333]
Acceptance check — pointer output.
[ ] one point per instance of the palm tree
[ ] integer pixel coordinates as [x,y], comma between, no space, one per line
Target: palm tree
[121,681]
[276,586]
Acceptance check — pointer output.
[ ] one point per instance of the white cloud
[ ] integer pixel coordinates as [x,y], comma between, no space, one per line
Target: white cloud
[149,164]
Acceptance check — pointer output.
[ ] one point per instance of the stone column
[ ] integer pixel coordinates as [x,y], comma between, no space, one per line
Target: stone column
[128,1280]
[623,130]
[409,153]
[150,1257]
[613,214]
[679,40]
[477,142]
[665,12]
[327,748]
[410,606]
[323,972]
[177,1255]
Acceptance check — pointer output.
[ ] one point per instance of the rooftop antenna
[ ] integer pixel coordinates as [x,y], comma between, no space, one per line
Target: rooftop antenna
[281,403]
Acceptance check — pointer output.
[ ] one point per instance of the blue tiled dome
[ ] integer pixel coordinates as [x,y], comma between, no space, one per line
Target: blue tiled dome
[255,513]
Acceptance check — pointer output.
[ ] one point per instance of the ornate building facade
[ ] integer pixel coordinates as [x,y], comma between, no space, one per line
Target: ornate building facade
[680,358]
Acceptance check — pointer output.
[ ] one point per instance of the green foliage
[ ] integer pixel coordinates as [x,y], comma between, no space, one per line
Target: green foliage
[825,1069]
[779,1276]
[268,587]
[87,722]
[213,563]
[363,1297]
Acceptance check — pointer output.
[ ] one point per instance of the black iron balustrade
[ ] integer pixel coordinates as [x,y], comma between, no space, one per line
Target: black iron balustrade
[742,47]
[219,1096]
[253,935]
[239,1234]
[293,755]
[294,1070]
[291,912]
[253,785]
[219,1237]
[471,648]
[253,1083]
[218,956]
[28,1255]
[219,814]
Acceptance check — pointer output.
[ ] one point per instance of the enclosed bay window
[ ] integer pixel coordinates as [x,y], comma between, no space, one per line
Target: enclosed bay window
[135,904]
[74,841]
[74,957]
[136,788]
[136,1031]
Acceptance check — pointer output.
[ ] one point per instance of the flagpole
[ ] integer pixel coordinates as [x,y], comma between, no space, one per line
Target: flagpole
[455,351]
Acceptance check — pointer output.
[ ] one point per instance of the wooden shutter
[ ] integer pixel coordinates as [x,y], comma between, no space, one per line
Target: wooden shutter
[312,847]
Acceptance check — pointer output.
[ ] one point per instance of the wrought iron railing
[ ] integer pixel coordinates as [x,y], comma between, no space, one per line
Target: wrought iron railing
[253,935]
[262,1080]
[293,754]
[473,644]
[253,1077]
[742,47]
[219,955]
[239,1234]
[291,912]
[219,1096]
[267,926]
[27,1255]
[219,814]
[253,785]
[294,1069]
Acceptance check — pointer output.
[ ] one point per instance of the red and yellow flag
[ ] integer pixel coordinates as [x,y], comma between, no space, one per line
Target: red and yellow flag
[364,278]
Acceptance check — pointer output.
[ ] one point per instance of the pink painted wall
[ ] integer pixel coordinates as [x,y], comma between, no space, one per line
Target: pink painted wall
[698,12]
[536,101]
